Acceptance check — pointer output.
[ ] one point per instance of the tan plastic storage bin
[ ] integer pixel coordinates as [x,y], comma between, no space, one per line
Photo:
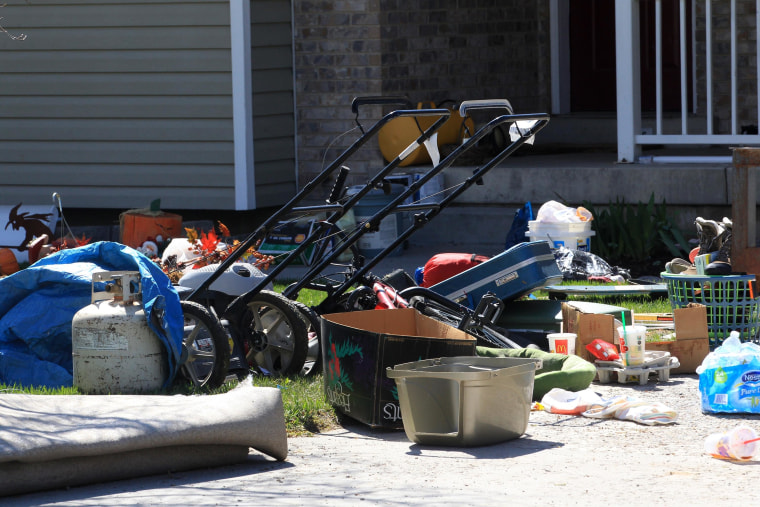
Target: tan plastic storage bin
[465,401]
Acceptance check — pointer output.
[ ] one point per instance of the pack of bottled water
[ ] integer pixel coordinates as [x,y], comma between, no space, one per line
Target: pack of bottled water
[729,377]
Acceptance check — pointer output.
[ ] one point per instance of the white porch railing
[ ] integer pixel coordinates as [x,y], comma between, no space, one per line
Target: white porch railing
[629,122]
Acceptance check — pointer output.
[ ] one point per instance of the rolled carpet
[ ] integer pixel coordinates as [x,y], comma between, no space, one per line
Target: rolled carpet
[49,441]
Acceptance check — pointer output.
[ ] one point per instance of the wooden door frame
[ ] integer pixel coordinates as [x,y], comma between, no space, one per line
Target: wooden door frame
[559,20]
[559,30]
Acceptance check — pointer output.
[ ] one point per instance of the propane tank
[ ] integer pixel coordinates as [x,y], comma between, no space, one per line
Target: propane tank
[114,350]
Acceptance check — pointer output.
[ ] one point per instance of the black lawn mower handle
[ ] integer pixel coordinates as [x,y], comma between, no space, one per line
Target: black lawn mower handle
[380,100]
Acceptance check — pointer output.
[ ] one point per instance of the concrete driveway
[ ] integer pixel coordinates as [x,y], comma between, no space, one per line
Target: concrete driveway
[561,460]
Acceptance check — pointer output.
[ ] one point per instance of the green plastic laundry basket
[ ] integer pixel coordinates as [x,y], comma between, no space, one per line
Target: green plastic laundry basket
[730,301]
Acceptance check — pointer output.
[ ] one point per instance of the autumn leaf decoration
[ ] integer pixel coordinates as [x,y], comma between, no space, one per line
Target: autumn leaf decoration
[209,242]
[192,235]
[223,230]
[206,246]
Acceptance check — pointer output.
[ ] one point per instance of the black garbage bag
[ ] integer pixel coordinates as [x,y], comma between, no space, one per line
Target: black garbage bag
[580,265]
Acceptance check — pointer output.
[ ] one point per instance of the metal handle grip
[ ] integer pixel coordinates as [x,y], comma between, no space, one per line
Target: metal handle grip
[484,104]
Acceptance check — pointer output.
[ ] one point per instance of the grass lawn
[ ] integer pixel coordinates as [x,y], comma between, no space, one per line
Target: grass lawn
[306,410]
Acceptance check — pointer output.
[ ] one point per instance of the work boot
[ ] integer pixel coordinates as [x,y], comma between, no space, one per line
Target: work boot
[721,263]
[710,234]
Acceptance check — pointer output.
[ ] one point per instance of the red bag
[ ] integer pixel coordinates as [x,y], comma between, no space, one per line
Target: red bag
[445,265]
[603,350]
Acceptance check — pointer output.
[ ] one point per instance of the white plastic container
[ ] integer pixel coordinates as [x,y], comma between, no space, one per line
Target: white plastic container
[656,362]
[562,343]
[572,235]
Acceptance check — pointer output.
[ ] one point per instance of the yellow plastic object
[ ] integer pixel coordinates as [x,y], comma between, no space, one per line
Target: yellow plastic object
[399,133]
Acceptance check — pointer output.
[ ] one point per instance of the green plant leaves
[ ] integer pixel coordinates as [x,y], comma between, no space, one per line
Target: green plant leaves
[635,233]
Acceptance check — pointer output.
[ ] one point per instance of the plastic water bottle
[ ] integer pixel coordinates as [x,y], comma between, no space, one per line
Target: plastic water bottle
[741,443]
[732,344]
[727,354]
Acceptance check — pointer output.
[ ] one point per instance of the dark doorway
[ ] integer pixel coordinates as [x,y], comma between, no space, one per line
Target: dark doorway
[592,55]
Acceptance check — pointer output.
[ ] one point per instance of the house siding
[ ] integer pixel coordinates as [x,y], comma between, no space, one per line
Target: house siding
[274,127]
[115,103]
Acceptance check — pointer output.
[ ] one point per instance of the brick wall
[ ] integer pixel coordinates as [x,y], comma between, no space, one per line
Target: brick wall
[337,57]
[424,49]
[448,49]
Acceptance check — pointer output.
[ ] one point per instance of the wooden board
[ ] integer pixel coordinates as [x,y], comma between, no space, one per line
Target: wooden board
[562,291]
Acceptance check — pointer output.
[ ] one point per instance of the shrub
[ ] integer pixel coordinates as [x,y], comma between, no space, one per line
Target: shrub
[637,236]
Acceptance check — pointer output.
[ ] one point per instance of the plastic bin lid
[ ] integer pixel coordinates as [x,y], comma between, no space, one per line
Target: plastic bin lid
[465,367]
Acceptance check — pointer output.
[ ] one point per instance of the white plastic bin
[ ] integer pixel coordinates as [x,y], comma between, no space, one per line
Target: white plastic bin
[572,235]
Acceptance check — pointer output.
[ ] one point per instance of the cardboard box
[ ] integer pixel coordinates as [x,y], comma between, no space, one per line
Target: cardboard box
[357,347]
[692,343]
[588,327]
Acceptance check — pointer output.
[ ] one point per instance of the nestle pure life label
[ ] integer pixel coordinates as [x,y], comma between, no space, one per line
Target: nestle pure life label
[733,388]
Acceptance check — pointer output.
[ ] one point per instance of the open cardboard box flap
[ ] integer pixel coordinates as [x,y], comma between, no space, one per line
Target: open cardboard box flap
[398,322]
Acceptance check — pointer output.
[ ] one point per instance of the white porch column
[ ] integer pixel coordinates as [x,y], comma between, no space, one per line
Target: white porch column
[242,108]
[628,79]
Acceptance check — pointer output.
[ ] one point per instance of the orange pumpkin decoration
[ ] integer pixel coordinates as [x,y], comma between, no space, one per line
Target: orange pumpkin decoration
[8,262]
[137,226]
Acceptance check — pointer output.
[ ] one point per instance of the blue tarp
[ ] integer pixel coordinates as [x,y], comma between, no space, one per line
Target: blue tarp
[37,305]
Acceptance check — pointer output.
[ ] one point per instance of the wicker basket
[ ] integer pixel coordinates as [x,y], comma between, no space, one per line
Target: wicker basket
[730,301]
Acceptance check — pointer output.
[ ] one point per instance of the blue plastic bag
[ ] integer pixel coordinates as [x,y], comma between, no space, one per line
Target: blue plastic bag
[519,226]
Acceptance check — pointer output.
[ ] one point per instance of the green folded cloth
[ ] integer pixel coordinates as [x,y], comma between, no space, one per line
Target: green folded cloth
[570,373]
